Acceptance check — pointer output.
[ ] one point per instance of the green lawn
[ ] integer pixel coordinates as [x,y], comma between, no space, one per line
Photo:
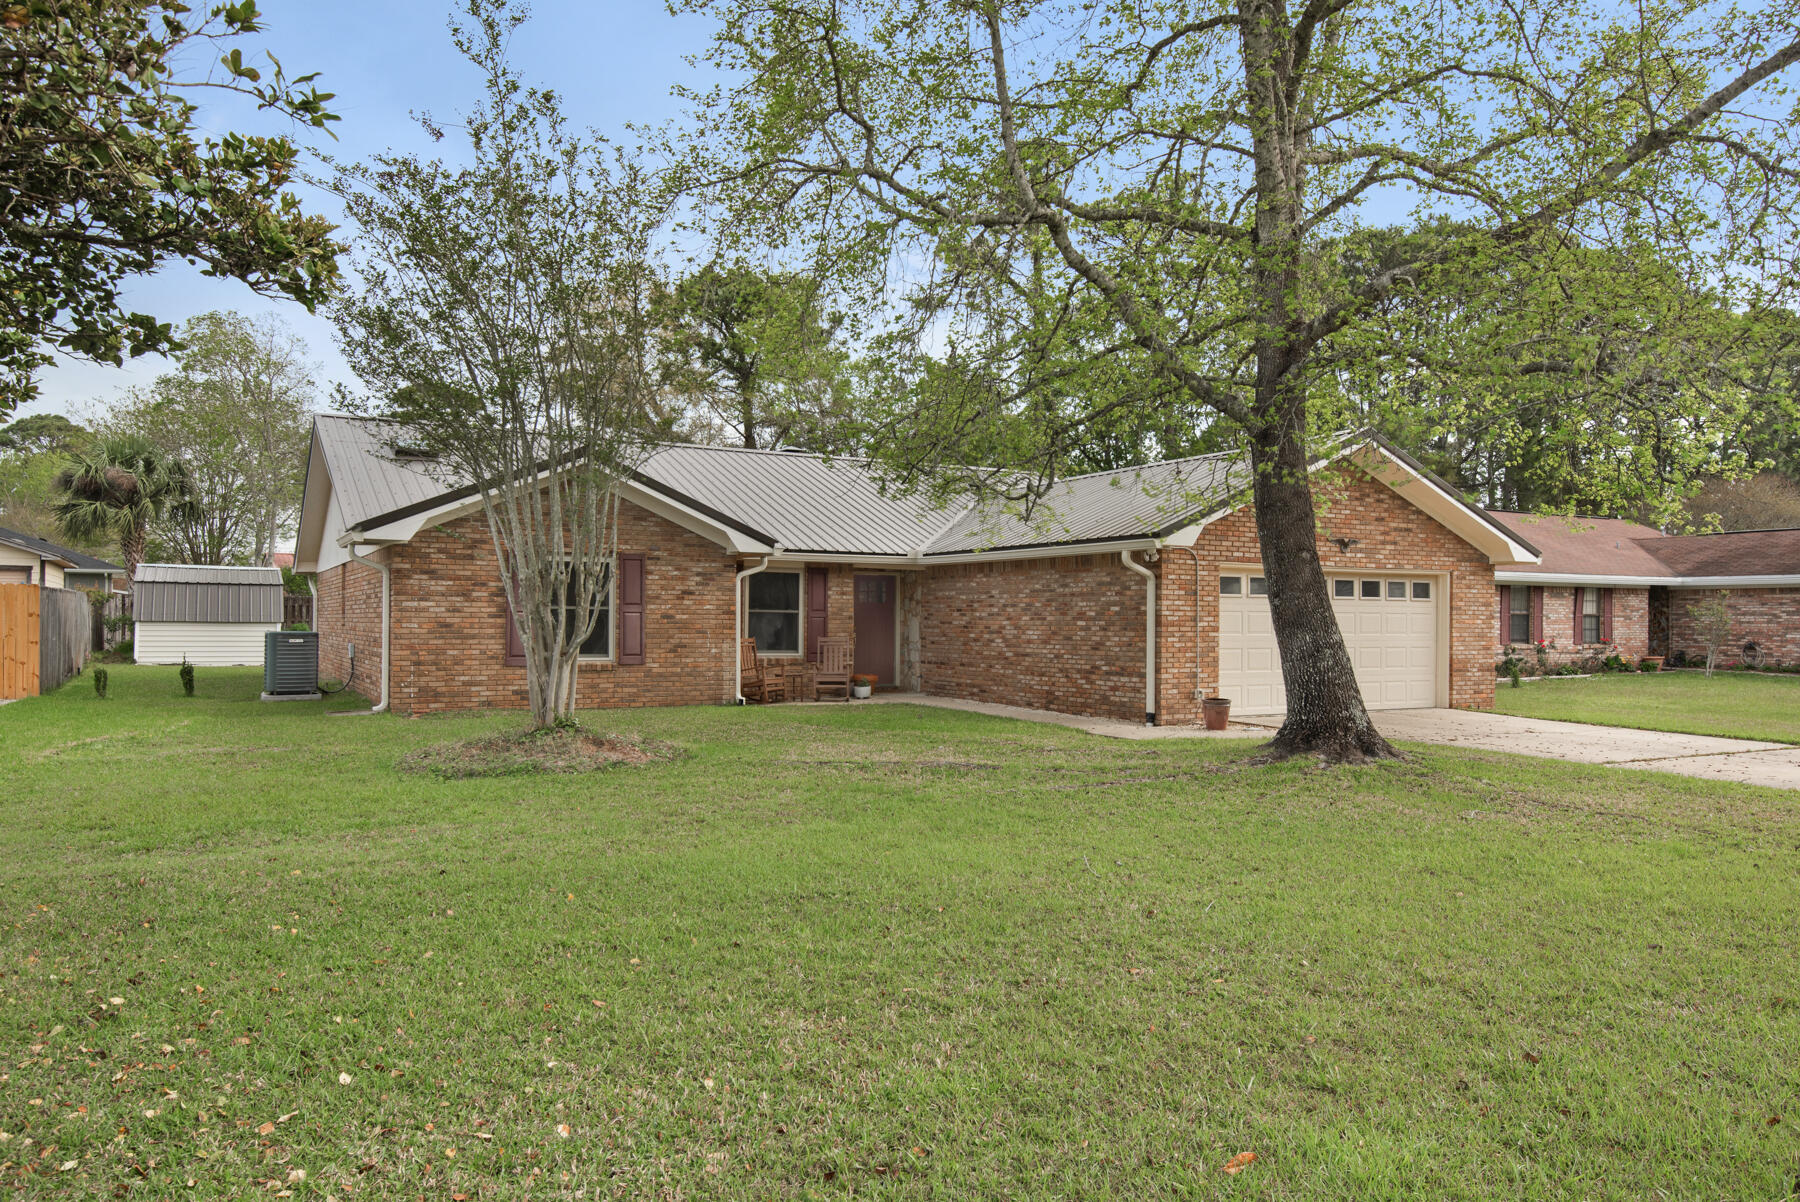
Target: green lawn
[1735,704]
[883,951]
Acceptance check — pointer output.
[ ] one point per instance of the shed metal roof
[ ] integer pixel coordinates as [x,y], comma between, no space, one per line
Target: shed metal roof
[180,592]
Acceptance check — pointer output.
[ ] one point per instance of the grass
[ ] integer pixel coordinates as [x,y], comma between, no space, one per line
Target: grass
[892,951]
[1739,705]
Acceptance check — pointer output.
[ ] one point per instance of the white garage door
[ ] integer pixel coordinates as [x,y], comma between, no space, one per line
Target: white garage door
[1389,624]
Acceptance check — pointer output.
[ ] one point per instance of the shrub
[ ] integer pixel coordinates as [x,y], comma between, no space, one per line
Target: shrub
[100,683]
[1514,674]
[187,677]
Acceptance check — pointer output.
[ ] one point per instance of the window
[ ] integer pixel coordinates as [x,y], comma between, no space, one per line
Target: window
[1590,615]
[1231,586]
[1421,590]
[1371,590]
[598,644]
[772,616]
[1518,615]
[1396,590]
[1343,588]
[1259,587]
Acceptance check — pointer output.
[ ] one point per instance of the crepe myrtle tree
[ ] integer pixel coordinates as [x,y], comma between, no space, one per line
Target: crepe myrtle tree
[502,320]
[1062,186]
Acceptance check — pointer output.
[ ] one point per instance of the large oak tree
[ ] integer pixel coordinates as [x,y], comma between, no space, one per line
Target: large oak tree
[1062,186]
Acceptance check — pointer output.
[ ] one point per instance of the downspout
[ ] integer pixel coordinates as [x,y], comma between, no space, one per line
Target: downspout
[1149,633]
[387,600]
[737,624]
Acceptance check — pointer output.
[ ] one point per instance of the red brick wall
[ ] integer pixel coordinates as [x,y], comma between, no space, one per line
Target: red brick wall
[348,610]
[1061,634]
[1391,534]
[1769,617]
[1630,629]
[449,622]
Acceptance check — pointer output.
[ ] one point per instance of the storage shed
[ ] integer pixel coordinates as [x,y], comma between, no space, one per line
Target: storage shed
[214,616]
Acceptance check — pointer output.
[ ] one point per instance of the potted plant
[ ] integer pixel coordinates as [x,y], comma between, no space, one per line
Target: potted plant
[1651,663]
[1216,711]
[862,686]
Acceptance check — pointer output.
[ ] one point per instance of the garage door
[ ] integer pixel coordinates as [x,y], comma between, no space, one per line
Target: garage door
[1389,624]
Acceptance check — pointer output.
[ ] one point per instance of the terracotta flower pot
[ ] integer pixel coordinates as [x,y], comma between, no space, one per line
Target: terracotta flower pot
[1651,663]
[1216,711]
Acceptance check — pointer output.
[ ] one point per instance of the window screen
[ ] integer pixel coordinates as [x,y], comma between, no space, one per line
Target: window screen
[772,616]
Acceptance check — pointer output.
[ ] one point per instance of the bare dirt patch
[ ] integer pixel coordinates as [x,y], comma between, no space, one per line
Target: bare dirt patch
[533,752]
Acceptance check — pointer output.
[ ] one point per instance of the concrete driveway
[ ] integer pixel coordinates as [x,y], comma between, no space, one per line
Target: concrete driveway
[1776,765]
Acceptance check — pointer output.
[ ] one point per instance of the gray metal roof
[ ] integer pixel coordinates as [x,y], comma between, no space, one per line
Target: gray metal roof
[804,502]
[1102,506]
[181,592]
[366,478]
[810,504]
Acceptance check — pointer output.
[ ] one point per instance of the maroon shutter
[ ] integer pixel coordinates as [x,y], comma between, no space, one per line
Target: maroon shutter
[1537,615]
[1606,615]
[631,609]
[1580,603]
[818,591]
[1505,592]
[515,644]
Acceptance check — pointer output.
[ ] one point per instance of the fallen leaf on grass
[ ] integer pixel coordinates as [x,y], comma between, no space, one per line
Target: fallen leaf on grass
[266,1129]
[1237,1163]
[345,1078]
[562,1129]
[1531,1058]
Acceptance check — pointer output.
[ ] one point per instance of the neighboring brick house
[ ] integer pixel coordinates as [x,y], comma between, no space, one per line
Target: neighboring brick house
[1605,585]
[1130,594]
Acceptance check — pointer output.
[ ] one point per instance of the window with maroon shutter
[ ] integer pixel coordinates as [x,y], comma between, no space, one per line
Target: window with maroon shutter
[1606,611]
[631,609]
[818,592]
[1505,594]
[1518,614]
[1587,615]
[1537,615]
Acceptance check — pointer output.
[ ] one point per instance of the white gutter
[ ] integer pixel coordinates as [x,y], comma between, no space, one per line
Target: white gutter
[737,623]
[1149,634]
[1646,581]
[387,633]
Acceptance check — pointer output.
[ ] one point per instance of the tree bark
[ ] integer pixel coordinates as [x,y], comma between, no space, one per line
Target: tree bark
[1325,712]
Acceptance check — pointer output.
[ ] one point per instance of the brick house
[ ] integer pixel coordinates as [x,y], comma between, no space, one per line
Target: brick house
[1129,594]
[1605,585]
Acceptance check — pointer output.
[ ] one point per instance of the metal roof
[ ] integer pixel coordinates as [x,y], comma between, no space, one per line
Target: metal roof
[1133,502]
[182,592]
[802,501]
[77,560]
[367,479]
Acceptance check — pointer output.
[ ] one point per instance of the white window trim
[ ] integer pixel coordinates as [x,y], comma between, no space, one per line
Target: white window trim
[799,613]
[612,597]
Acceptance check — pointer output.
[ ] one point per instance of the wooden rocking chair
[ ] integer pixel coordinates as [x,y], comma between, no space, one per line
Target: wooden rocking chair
[835,664]
[759,684]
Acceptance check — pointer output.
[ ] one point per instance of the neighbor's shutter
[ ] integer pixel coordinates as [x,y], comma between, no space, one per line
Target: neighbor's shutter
[1537,614]
[818,590]
[1505,592]
[631,609]
[1606,615]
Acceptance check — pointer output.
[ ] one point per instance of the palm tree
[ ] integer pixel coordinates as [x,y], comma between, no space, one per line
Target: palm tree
[116,488]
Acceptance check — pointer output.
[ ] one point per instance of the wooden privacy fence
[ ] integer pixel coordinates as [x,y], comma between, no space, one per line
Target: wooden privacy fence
[65,628]
[296,610]
[112,622]
[44,635]
[18,641]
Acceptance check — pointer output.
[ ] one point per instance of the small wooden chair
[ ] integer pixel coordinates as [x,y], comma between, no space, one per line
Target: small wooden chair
[832,676]
[759,684]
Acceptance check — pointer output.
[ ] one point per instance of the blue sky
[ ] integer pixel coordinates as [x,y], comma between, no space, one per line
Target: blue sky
[614,61]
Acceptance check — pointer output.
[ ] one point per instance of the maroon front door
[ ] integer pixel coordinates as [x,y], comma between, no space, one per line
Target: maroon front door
[875,627]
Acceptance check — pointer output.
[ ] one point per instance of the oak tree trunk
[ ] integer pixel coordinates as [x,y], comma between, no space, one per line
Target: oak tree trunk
[1325,712]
